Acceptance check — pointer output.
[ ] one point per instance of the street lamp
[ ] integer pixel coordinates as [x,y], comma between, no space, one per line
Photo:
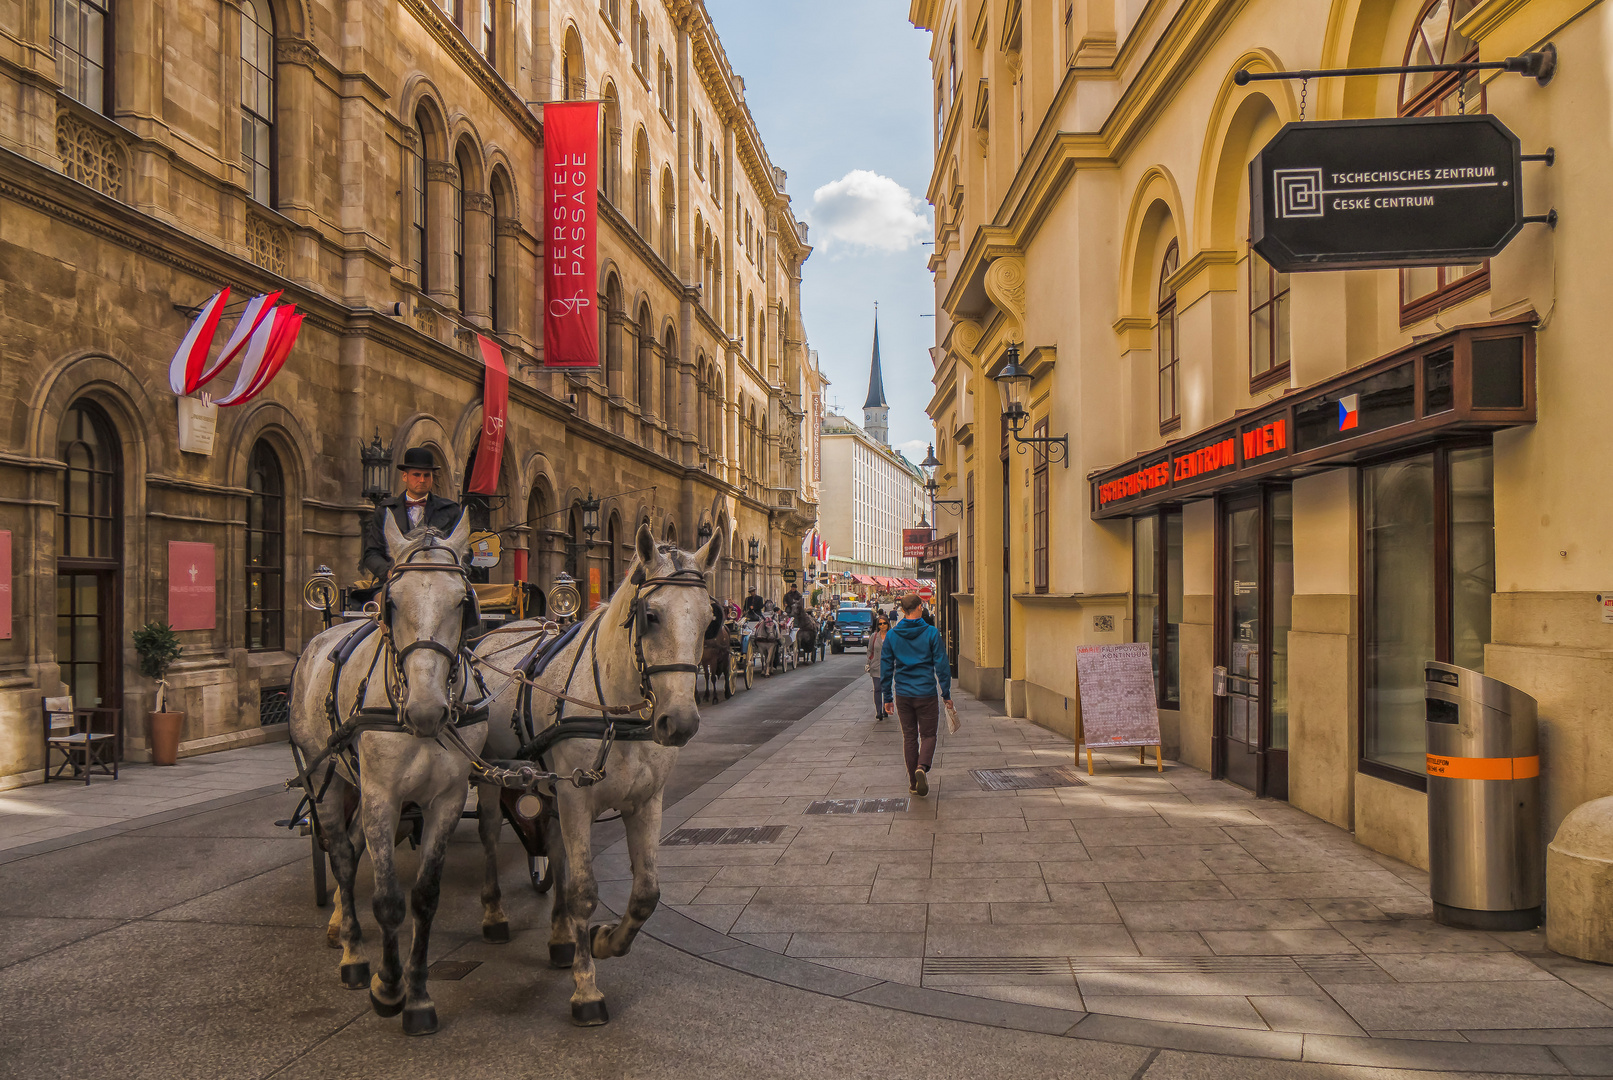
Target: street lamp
[590,516]
[1013,385]
[377,461]
[929,465]
[755,548]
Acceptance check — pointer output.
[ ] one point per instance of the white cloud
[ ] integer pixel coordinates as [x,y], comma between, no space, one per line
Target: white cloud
[865,209]
[913,451]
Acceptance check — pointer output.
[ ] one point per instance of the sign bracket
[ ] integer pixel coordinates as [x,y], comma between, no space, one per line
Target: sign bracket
[1539,65]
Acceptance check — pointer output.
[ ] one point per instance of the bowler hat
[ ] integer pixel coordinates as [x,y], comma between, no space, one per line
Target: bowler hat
[418,457]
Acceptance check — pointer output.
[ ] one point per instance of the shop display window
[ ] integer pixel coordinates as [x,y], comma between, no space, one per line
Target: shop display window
[1427,579]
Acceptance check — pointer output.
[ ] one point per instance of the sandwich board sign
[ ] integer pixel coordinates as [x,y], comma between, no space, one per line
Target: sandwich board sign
[1117,697]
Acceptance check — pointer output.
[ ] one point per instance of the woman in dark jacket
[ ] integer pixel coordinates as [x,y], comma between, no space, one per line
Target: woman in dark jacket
[876,641]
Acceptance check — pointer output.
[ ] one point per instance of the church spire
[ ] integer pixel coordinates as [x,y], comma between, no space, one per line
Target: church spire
[876,409]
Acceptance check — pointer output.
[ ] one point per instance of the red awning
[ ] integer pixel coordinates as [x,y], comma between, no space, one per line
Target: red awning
[864,579]
[911,583]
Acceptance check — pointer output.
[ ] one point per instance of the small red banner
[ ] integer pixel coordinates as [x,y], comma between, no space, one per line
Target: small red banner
[570,223]
[192,586]
[914,541]
[5,584]
[495,411]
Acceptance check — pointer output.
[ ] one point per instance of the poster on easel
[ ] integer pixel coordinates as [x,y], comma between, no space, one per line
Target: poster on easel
[1118,708]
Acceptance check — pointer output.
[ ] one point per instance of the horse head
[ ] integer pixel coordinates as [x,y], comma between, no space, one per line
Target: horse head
[423,610]
[670,611]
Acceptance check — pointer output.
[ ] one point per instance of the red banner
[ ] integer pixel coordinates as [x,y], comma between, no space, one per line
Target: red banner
[192,586]
[5,583]
[495,411]
[913,542]
[570,223]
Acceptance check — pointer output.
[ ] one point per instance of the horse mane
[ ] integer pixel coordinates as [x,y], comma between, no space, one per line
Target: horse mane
[418,539]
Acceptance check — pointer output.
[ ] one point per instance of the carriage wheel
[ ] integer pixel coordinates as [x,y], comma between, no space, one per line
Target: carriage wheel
[542,874]
[745,666]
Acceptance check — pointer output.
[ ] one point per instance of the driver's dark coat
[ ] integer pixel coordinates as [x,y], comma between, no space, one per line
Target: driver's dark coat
[441,514]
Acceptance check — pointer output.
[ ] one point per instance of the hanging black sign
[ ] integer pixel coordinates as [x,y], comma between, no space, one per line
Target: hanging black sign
[1359,194]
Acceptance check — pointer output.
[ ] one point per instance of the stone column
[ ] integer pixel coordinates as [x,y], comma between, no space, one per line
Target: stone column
[442,189]
[478,250]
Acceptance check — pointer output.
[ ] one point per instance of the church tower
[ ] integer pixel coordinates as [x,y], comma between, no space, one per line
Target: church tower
[876,410]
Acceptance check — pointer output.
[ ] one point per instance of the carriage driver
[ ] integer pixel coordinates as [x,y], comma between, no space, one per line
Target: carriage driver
[416,506]
[753,604]
[792,599]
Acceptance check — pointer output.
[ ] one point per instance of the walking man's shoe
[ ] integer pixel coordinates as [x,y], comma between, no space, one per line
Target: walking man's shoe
[921,785]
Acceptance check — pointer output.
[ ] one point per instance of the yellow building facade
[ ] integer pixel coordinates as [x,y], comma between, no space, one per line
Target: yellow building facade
[380,163]
[1091,192]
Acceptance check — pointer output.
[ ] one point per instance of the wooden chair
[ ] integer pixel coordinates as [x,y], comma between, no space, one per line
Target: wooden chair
[89,741]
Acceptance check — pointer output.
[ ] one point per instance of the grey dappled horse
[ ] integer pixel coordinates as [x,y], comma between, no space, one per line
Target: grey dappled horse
[648,636]
[416,651]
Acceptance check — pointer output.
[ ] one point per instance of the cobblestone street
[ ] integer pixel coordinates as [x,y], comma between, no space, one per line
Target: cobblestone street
[1131,923]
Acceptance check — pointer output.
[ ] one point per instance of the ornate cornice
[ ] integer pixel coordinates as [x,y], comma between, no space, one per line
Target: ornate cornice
[442,172]
[478,202]
[476,66]
[296,51]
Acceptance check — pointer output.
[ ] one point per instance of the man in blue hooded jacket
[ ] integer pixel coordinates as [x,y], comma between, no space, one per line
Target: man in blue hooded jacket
[912,661]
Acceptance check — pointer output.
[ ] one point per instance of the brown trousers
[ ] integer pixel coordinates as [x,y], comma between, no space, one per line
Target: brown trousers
[919,716]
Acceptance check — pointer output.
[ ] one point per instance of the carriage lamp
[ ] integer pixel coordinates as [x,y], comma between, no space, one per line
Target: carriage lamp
[377,462]
[590,516]
[1013,386]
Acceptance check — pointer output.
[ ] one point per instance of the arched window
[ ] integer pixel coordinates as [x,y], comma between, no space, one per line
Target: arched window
[573,76]
[646,361]
[1435,39]
[641,183]
[671,531]
[500,264]
[537,520]
[419,216]
[574,548]
[81,37]
[461,180]
[1170,409]
[265,550]
[257,99]
[750,327]
[489,31]
[669,384]
[610,146]
[89,556]
[669,218]
[611,318]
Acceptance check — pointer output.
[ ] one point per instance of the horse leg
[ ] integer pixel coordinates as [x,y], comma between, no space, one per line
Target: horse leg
[581,896]
[380,827]
[419,1013]
[643,837]
[343,931]
[562,942]
[495,924]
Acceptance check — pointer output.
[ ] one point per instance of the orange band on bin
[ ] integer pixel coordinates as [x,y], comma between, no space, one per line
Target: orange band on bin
[1484,768]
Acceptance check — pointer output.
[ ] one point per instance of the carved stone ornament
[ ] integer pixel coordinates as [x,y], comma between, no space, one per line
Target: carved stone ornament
[294,51]
[966,339]
[507,226]
[268,243]
[1005,285]
[478,203]
[90,156]
[442,172]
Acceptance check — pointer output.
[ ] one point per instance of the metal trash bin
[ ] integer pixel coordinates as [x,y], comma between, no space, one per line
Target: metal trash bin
[1486,865]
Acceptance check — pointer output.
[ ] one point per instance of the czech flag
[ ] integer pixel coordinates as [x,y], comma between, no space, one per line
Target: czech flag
[1349,411]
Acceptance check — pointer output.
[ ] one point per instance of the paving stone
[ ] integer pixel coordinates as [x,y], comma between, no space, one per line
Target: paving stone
[1202,1039]
[1207,1010]
[831,918]
[1220,915]
[1056,940]
[1143,983]
[1084,910]
[908,971]
[960,913]
[1415,936]
[1472,1005]
[899,945]
[1276,942]
[1053,996]
[1162,891]
[1135,869]
[973,1009]
[781,875]
[1445,1057]
[1460,967]
[938,890]
[821,894]
[1313,885]
[1169,943]
[1305,1013]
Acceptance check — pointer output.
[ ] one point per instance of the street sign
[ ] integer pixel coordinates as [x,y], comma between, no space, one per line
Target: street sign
[913,541]
[787,575]
[1407,191]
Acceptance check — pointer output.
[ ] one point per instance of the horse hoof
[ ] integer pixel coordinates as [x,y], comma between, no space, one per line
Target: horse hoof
[356,976]
[589,1013]
[498,933]
[420,1020]
[385,1009]
[562,956]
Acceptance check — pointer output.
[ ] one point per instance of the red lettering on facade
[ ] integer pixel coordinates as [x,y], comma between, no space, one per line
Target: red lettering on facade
[1206,459]
[1266,439]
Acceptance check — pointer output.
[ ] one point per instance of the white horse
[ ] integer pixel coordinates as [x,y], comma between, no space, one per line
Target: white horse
[632,661]
[395,685]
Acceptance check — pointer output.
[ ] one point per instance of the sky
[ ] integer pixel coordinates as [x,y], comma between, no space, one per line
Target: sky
[840,91]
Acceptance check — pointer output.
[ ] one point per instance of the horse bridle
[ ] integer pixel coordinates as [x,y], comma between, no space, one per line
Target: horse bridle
[383,613]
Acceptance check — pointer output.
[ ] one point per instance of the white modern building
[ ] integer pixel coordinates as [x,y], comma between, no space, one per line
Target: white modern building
[869,492]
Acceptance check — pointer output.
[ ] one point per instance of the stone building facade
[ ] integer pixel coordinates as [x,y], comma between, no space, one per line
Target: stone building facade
[378,160]
[1091,193]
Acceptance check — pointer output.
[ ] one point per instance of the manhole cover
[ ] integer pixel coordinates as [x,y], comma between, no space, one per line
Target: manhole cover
[1039,776]
[755,834]
[859,806]
[452,970]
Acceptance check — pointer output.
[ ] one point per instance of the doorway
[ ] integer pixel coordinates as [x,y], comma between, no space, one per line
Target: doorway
[1256,602]
[88,559]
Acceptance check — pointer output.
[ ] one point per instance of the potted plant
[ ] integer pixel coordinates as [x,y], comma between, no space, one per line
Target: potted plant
[158,647]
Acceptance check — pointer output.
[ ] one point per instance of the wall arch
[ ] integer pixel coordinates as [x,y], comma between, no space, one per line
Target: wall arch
[1154,217]
[1242,119]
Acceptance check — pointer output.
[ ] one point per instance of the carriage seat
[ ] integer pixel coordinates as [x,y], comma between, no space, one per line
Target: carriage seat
[89,741]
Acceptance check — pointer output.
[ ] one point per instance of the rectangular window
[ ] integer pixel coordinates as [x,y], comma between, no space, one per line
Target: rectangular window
[417,212]
[488,40]
[1039,574]
[969,527]
[1268,324]
[1157,587]
[1427,580]
[81,36]
[699,148]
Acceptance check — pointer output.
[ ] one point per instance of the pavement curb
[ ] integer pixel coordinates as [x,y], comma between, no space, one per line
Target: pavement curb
[671,928]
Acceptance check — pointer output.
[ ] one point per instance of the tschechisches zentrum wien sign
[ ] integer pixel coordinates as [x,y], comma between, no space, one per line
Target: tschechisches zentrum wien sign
[1409,191]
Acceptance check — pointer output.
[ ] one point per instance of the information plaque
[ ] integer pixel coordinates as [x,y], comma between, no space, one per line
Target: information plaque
[1117,696]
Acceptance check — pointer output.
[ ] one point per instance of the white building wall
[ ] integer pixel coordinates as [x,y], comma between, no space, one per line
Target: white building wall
[867,499]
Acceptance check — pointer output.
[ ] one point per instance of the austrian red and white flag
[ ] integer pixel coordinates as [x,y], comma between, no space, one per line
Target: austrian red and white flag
[570,234]
[262,340]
